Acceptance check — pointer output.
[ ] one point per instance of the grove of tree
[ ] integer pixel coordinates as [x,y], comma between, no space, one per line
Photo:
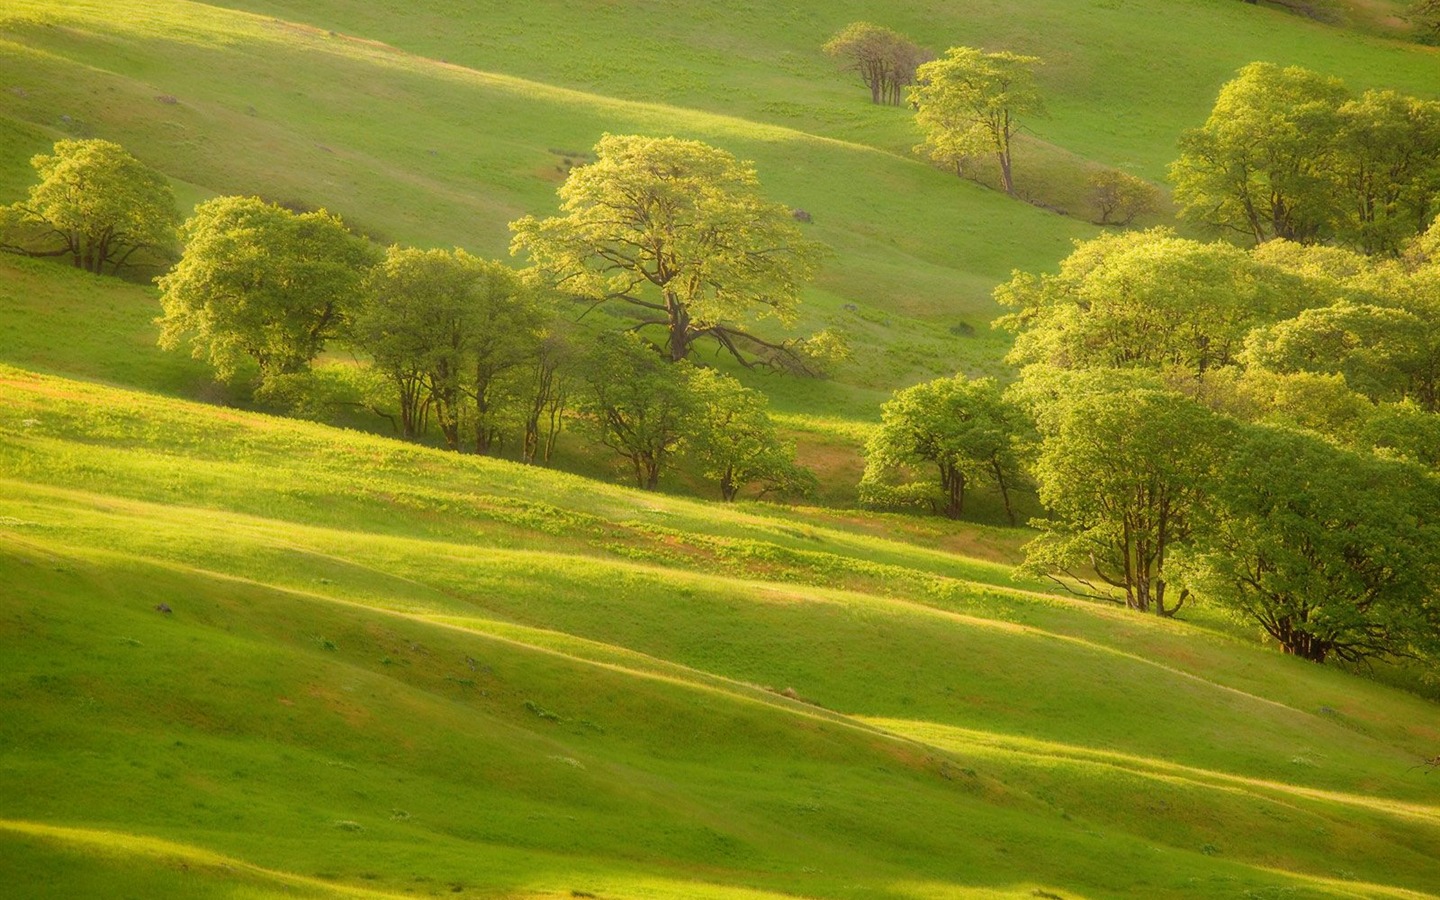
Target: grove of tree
[884,59]
[1290,153]
[963,429]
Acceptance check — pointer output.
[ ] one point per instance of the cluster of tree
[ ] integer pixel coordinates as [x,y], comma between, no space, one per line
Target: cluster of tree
[651,411]
[884,59]
[1289,153]
[95,204]
[965,431]
[968,103]
[1256,429]
[482,353]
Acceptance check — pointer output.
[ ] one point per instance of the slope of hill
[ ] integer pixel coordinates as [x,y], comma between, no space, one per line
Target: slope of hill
[251,657]
[247,657]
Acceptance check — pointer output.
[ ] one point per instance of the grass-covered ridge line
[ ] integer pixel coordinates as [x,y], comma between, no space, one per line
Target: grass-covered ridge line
[364,619]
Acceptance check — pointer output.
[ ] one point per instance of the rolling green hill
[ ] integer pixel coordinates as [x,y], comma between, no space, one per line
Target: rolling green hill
[250,657]
[391,669]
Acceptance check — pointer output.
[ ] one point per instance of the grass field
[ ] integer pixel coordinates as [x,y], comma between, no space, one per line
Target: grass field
[250,657]
[389,668]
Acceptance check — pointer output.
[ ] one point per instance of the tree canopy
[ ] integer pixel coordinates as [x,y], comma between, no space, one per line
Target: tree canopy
[1141,299]
[680,231]
[258,281]
[96,204]
[1332,553]
[962,428]
[884,59]
[1289,153]
[970,102]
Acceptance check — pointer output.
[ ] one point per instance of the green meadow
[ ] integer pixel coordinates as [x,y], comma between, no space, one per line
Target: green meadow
[244,656]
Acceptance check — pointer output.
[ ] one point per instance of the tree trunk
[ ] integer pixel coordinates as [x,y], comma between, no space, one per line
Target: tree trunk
[953,482]
[1004,490]
[679,327]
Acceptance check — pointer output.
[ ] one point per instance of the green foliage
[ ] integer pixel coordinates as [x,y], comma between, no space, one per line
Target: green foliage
[1332,553]
[1289,153]
[1123,473]
[636,404]
[96,204]
[1403,431]
[733,439]
[1139,299]
[963,428]
[258,281]
[1379,330]
[1119,196]
[1373,347]
[678,229]
[884,59]
[970,102]
[1257,166]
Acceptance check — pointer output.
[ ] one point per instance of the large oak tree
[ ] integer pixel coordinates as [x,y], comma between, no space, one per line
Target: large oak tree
[95,204]
[259,281]
[680,231]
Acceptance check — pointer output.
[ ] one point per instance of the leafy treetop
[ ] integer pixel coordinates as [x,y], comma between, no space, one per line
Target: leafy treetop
[680,230]
[96,204]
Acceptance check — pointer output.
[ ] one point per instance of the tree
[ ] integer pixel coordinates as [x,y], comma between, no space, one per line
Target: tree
[96,204]
[414,322]
[1144,299]
[544,390]
[1386,169]
[1258,166]
[733,438]
[636,404]
[1123,472]
[505,323]
[884,59]
[679,230]
[970,102]
[446,327]
[1332,553]
[964,428]
[1425,14]
[1119,196]
[259,281]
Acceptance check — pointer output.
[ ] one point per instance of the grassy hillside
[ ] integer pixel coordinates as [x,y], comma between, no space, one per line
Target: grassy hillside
[390,669]
[249,657]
